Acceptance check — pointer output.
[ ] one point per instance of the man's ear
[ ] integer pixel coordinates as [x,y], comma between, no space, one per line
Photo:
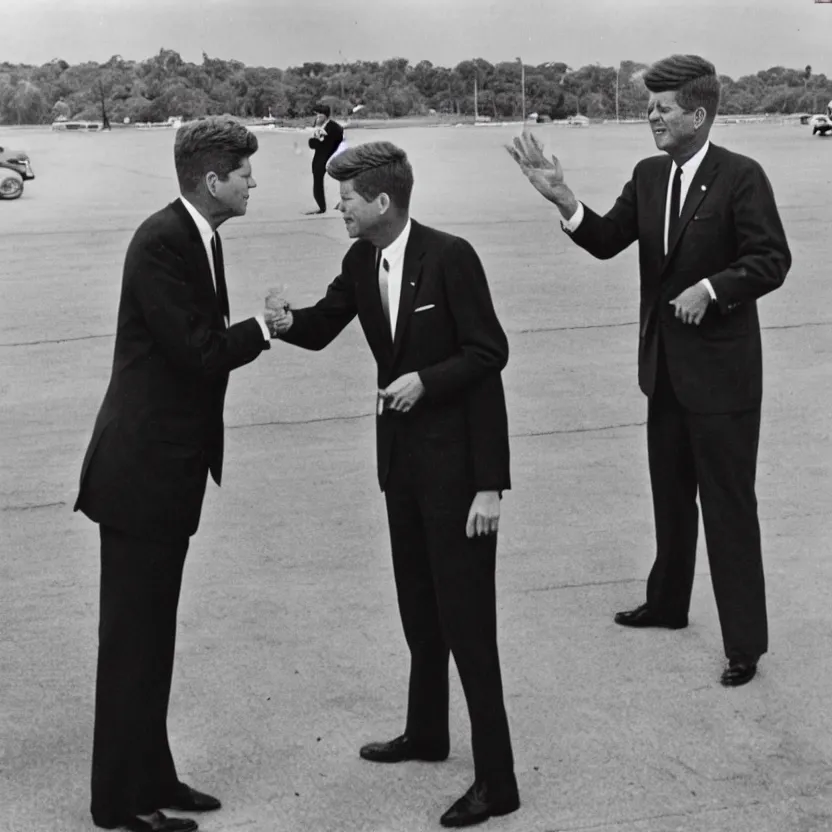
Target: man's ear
[211,180]
[383,203]
[699,117]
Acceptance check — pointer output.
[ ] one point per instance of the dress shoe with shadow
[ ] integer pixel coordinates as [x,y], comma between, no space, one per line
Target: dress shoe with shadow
[187,799]
[480,803]
[401,749]
[159,822]
[739,672]
[643,616]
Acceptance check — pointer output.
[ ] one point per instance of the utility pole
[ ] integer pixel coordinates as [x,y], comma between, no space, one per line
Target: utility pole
[341,73]
[476,113]
[522,88]
[617,73]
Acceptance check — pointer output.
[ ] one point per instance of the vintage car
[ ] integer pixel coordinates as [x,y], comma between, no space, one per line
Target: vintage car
[821,124]
[15,169]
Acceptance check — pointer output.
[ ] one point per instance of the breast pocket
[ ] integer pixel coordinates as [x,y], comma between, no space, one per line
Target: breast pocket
[706,216]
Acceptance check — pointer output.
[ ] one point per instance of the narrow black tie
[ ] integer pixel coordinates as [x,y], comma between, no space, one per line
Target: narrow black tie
[384,289]
[675,195]
[219,276]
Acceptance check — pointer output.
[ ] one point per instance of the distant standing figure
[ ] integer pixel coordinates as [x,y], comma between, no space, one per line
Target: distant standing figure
[325,141]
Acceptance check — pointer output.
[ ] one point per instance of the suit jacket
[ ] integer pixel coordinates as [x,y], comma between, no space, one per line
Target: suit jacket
[730,232]
[455,343]
[160,427]
[324,148]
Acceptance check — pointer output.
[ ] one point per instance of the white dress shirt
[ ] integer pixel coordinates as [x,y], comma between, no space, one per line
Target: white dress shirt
[394,255]
[206,234]
[689,169]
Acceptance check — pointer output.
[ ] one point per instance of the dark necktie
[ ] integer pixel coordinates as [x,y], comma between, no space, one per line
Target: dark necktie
[219,276]
[384,289]
[675,207]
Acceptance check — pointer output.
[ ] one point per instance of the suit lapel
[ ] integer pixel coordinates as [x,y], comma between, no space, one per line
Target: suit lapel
[699,187]
[200,257]
[659,209]
[411,274]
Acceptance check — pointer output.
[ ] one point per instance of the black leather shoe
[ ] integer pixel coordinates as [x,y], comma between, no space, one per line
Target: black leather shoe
[159,822]
[739,672]
[479,804]
[643,616]
[400,749]
[187,799]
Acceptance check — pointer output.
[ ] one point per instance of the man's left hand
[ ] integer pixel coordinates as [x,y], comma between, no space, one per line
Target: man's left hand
[692,304]
[403,393]
[484,516]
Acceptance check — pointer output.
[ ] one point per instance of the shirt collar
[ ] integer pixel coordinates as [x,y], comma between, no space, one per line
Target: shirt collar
[690,167]
[202,225]
[395,251]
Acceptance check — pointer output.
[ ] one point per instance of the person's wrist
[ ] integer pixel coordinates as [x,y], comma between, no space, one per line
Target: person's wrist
[566,203]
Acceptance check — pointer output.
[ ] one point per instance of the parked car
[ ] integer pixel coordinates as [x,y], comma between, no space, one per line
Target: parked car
[15,169]
[821,124]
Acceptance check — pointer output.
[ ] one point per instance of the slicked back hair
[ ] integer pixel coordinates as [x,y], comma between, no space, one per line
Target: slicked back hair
[213,144]
[693,78]
[375,168]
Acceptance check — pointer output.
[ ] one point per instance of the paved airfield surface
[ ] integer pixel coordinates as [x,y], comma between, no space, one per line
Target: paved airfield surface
[290,653]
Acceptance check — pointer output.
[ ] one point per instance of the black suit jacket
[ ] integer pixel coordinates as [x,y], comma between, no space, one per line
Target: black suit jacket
[160,427]
[730,232]
[324,148]
[456,344]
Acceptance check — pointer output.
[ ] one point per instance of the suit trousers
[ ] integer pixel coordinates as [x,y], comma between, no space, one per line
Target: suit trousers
[132,766]
[716,456]
[318,189]
[446,592]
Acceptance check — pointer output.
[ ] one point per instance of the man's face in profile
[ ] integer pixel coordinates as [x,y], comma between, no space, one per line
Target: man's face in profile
[233,193]
[360,216]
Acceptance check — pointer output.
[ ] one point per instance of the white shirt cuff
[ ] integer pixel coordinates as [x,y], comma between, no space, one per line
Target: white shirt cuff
[262,321]
[574,221]
[707,284]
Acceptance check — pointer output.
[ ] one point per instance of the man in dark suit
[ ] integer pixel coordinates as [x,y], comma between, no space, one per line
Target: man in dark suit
[710,243]
[158,434]
[423,302]
[326,139]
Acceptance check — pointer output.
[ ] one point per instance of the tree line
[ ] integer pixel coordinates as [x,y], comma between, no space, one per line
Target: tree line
[165,85]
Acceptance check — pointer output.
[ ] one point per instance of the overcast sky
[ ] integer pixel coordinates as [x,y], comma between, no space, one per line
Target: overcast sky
[739,36]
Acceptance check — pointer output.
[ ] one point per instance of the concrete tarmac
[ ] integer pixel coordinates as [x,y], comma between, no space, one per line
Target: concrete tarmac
[290,653]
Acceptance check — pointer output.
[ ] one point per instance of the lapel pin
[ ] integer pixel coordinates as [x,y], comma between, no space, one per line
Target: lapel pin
[412,283]
[704,187]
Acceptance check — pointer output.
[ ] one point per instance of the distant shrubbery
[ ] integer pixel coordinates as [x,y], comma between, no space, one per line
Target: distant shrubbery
[165,85]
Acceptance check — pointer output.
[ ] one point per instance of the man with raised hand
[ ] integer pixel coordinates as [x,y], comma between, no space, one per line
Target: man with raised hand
[710,244]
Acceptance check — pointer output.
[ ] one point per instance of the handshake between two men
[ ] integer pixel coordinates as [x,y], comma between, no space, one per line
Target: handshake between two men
[401,395]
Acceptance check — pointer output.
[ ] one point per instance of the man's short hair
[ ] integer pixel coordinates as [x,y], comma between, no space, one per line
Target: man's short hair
[375,168]
[215,144]
[323,109]
[693,78]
